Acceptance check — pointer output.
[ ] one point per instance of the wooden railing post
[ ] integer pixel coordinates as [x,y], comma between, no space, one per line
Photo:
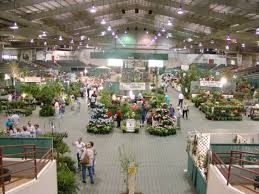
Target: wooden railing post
[35,162]
[2,171]
[229,167]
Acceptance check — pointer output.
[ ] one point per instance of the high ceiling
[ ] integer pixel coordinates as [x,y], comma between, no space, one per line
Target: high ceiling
[203,21]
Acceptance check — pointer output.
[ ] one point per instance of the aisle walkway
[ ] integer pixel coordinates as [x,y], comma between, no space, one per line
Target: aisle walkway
[162,160]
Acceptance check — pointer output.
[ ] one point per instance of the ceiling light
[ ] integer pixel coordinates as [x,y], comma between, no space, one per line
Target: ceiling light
[126,32]
[228,37]
[184,47]
[72,41]
[87,46]
[82,37]
[60,38]
[109,28]
[200,44]
[257,31]
[14,26]
[116,36]
[155,37]
[44,34]
[180,10]
[158,34]
[243,45]
[93,9]
[147,32]
[212,41]
[191,46]
[207,50]
[189,39]
[80,43]
[113,33]
[103,22]
[227,47]
[103,33]
[88,38]
[167,36]
[45,43]
[32,41]
[163,29]
[169,23]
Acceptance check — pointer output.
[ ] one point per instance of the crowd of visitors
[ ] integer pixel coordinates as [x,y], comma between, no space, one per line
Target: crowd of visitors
[86,157]
[13,129]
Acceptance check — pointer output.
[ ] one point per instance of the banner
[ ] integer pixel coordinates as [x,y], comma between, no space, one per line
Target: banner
[32,79]
[133,86]
[215,84]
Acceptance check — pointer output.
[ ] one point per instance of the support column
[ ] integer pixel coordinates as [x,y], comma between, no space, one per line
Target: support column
[1,52]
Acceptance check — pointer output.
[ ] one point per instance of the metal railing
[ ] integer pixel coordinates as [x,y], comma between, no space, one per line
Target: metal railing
[226,162]
[28,164]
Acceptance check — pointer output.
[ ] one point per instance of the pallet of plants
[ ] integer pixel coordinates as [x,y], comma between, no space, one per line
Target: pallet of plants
[162,124]
[255,113]
[223,110]
[200,98]
[100,122]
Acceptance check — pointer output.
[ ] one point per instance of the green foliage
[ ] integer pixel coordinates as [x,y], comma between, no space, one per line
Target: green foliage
[157,101]
[66,182]
[47,111]
[161,131]
[99,129]
[66,166]
[31,89]
[74,89]
[257,95]
[105,98]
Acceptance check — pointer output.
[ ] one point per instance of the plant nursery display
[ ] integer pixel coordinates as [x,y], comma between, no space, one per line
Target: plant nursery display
[254,113]
[100,122]
[163,124]
[223,109]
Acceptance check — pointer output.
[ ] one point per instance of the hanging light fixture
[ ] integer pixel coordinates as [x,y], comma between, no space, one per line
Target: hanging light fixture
[113,33]
[72,41]
[212,41]
[227,47]
[243,45]
[14,26]
[191,46]
[180,10]
[155,38]
[45,43]
[109,28]
[184,47]
[126,32]
[93,9]
[257,31]
[116,36]
[103,22]
[200,44]
[80,43]
[158,34]
[31,41]
[228,38]
[163,29]
[44,34]
[169,23]
[60,38]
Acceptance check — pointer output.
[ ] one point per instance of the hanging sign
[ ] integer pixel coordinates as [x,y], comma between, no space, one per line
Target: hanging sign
[32,79]
[215,84]
[133,86]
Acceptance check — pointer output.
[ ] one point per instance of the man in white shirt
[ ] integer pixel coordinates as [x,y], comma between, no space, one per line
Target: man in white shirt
[80,148]
[31,128]
[15,118]
[88,151]
[180,100]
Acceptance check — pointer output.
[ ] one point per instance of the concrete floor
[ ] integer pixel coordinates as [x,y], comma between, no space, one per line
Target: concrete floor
[162,160]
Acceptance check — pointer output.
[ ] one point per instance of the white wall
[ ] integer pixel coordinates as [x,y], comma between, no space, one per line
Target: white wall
[45,184]
[217,183]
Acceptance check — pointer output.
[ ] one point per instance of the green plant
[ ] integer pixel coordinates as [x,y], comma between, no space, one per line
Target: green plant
[47,111]
[67,162]
[66,182]
[105,98]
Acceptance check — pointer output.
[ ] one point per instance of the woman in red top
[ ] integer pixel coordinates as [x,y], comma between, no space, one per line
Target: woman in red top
[118,118]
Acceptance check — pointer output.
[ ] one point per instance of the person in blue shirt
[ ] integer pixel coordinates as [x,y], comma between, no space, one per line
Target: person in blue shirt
[9,123]
[143,114]
[167,100]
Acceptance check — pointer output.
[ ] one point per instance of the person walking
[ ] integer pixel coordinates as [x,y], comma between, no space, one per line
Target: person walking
[95,153]
[143,114]
[167,100]
[185,110]
[171,110]
[178,117]
[80,147]
[93,100]
[56,106]
[180,100]
[118,118]
[86,161]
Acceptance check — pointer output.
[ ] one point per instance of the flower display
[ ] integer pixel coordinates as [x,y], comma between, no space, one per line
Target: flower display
[100,122]
[163,124]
